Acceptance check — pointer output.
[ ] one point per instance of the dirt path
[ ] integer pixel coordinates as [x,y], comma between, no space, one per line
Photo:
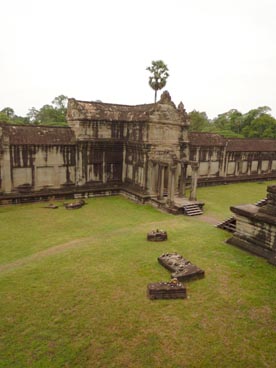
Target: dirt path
[90,240]
[209,219]
[76,243]
[45,253]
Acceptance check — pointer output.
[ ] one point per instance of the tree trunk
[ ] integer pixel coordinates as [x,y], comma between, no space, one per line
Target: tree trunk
[155,95]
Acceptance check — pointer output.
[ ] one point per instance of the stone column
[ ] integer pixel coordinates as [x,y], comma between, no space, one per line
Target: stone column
[223,163]
[197,154]
[145,171]
[161,182]
[80,180]
[152,176]
[6,166]
[124,165]
[259,170]
[226,164]
[104,169]
[171,189]
[237,167]
[194,181]
[172,184]
[182,184]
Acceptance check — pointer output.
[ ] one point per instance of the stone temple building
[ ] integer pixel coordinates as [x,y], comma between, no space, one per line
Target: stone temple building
[144,152]
[255,228]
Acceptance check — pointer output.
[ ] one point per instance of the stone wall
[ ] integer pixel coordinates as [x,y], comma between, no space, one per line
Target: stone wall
[230,160]
[143,148]
[36,158]
[256,227]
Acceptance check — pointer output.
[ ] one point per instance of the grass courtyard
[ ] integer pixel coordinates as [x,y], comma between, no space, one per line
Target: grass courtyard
[73,288]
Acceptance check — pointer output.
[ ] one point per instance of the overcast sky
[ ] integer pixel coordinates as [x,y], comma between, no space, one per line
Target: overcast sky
[221,54]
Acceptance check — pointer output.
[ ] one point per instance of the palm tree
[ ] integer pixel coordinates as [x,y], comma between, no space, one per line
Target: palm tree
[159,76]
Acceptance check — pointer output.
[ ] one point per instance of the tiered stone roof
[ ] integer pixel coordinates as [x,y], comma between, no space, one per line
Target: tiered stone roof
[98,111]
[205,139]
[38,135]
[251,145]
[232,144]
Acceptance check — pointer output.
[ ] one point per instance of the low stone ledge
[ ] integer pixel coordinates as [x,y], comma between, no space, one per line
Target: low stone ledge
[181,268]
[157,235]
[250,246]
[166,290]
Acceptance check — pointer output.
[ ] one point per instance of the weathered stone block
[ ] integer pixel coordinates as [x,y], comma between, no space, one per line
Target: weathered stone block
[256,227]
[157,235]
[166,290]
[181,268]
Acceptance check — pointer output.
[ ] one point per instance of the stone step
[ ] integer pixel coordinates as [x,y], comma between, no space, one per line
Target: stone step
[194,214]
[261,203]
[228,225]
[192,210]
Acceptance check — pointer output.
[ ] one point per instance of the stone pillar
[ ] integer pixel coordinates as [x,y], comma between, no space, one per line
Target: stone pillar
[104,169]
[226,164]
[259,170]
[223,163]
[124,165]
[194,181]
[161,182]
[237,167]
[152,177]
[145,171]
[80,180]
[197,154]
[155,178]
[182,184]
[5,166]
[171,185]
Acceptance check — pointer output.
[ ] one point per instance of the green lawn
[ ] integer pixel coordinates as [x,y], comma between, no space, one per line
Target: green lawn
[73,288]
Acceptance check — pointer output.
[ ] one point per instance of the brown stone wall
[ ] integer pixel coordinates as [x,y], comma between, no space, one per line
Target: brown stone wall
[145,146]
[226,160]
[35,168]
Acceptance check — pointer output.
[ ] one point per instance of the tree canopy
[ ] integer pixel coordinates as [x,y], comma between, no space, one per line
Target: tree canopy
[158,79]
[256,123]
[49,114]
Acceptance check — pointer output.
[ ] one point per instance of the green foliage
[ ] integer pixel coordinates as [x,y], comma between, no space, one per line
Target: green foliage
[231,120]
[158,79]
[8,116]
[198,121]
[54,114]
[256,123]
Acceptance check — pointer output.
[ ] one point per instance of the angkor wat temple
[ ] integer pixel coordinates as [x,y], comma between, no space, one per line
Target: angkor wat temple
[145,152]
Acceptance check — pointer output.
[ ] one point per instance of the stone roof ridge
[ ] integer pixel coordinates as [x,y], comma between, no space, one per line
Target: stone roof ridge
[113,104]
[250,139]
[206,139]
[8,125]
[163,111]
[39,134]
[251,144]
[208,133]
[101,111]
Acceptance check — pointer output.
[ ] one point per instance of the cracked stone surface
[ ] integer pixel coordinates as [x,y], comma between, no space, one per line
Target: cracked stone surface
[181,268]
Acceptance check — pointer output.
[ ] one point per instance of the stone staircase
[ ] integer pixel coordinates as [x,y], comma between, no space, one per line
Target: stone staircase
[230,223]
[261,203]
[192,209]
